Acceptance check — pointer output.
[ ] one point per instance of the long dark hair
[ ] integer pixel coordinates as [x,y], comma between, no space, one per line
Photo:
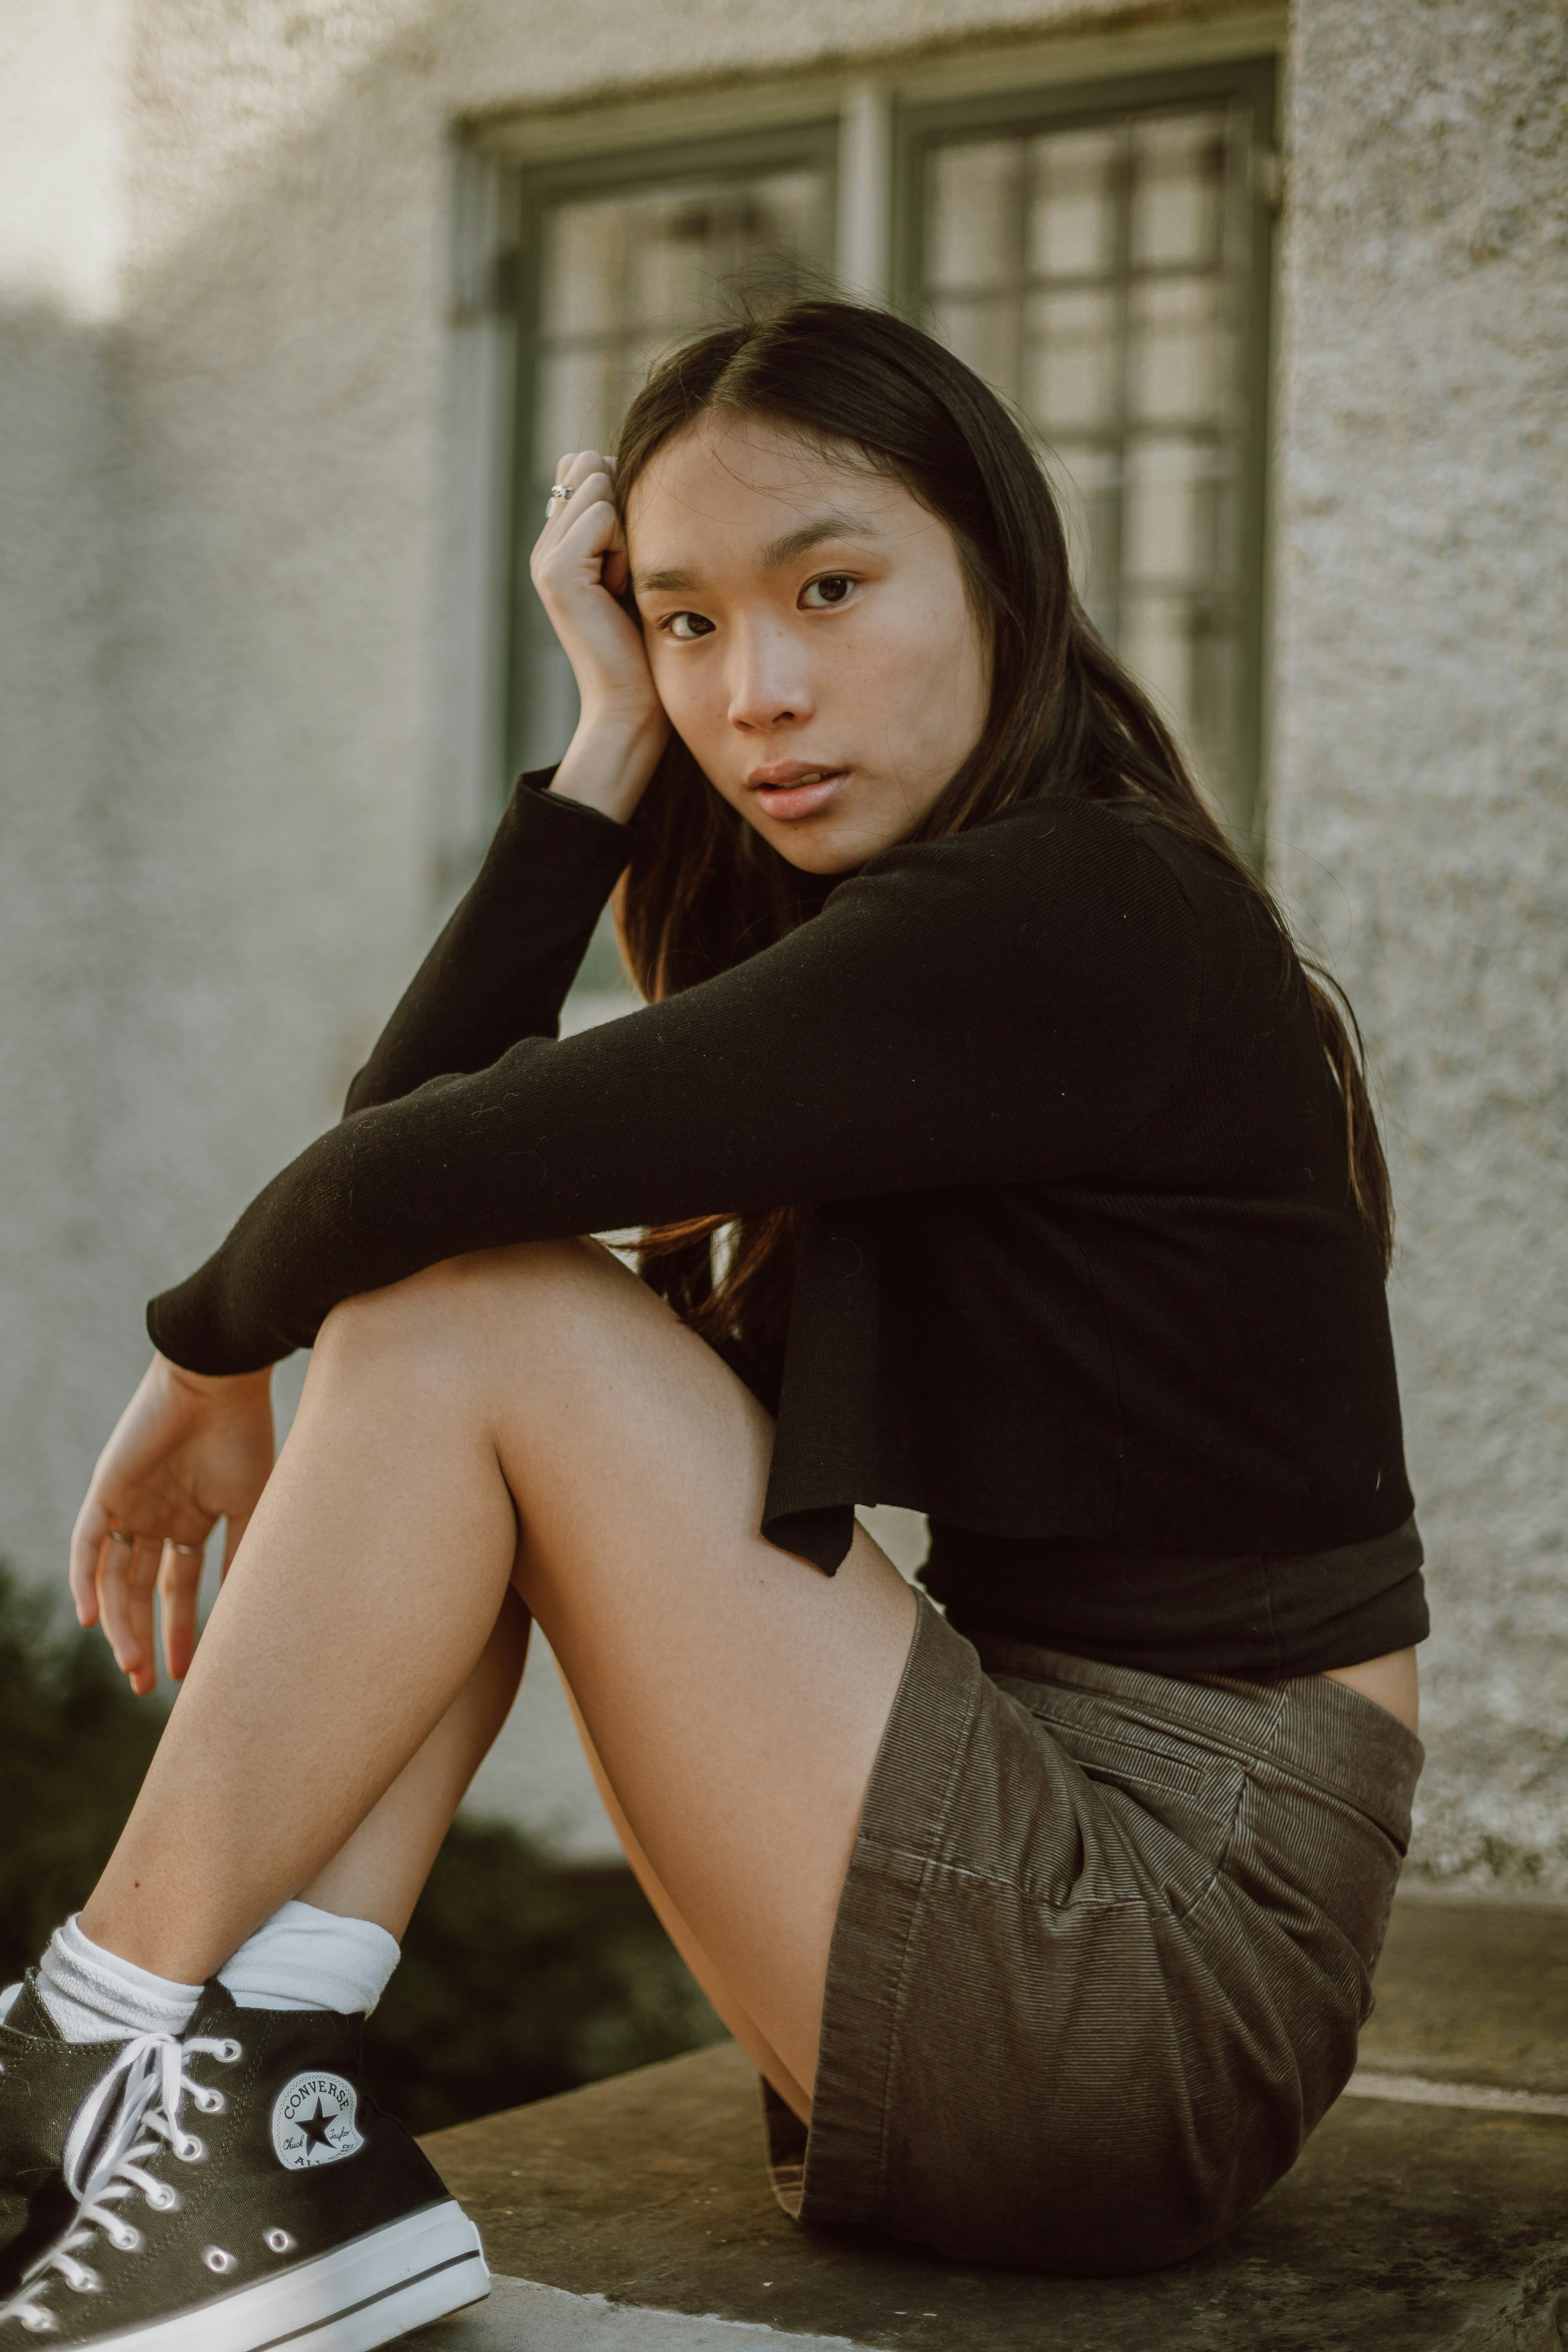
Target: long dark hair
[704,891]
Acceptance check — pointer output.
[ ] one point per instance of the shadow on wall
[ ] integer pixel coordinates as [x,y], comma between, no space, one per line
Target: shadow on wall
[74,1345]
[519,1979]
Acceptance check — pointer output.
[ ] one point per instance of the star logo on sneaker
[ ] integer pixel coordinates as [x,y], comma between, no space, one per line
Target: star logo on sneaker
[313,2122]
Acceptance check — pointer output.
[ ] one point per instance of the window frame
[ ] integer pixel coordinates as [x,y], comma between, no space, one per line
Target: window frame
[919,125]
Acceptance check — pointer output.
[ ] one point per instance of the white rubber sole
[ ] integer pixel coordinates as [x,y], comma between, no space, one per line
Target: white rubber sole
[360,2295]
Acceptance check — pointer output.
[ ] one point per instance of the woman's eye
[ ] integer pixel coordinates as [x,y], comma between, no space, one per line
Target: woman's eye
[821,595]
[687,625]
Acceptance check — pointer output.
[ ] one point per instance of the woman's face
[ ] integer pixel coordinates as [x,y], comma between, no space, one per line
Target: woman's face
[809,635]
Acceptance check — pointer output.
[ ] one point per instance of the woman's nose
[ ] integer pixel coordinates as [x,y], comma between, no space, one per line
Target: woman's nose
[768,683]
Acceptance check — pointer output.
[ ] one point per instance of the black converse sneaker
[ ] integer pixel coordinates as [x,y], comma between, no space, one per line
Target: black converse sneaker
[301,2214]
[44,2079]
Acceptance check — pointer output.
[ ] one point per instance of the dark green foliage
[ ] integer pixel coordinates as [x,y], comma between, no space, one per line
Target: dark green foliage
[517,1978]
[74,1745]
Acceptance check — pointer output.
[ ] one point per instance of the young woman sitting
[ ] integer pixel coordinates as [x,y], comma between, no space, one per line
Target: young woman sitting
[994,1154]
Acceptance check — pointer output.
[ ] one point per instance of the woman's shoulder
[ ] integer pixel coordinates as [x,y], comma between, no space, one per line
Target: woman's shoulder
[1053,900]
[1052,858]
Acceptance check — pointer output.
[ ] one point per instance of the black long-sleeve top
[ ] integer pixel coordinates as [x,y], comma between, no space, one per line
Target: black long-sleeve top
[1080,1274]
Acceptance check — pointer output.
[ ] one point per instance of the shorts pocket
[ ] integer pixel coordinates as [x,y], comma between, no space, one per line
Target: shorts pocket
[1191,1790]
[1106,1756]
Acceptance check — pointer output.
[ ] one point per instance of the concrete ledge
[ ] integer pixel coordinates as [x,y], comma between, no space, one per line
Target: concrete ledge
[519,2316]
[636,2212]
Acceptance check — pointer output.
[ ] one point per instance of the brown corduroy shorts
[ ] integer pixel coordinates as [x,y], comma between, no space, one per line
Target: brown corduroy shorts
[1102,1958]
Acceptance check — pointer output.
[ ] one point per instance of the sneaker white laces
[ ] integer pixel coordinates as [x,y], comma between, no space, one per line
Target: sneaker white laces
[106,2155]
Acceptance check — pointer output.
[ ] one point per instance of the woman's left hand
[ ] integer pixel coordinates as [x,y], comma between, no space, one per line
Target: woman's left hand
[579,568]
[186,1452]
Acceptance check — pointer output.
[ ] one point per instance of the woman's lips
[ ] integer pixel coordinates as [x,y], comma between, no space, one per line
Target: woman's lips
[793,789]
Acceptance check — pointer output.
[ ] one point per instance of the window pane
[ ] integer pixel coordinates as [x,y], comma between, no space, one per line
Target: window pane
[1178,189]
[1086,479]
[584,248]
[1098,274]
[1074,359]
[624,274]
[1179,357]
[1177,630]
[578,389]
[972,209]
[1169,515]
[985,337]
[1072,224]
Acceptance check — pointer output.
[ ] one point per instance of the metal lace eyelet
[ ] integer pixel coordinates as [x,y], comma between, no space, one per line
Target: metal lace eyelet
[127,2238]
[216,2259]
[164,2201]
[230,2053]
[277,2242]
[211,2103]
[194,2151]
[42,2323]
[87,2282]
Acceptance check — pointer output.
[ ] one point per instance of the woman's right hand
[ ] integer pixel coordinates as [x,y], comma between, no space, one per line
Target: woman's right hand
[579,568]
[186,1452]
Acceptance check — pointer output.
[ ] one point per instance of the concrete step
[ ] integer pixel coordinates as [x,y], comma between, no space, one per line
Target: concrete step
[1429,2210]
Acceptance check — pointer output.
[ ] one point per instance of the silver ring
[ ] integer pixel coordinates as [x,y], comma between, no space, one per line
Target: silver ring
[118,1535]
[561,492]
[186,1551]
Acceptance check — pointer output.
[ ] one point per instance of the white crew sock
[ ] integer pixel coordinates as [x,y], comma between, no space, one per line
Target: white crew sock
[306,1958]
[300,1958]
[95,1996]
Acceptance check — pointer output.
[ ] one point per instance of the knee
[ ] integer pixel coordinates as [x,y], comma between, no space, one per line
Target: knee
[439,1317]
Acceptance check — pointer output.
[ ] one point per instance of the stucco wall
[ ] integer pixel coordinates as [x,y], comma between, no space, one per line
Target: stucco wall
[230,771]
[1421,804]
[62,119]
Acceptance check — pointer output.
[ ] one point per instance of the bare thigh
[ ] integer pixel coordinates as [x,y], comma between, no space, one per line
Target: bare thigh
[734,1696]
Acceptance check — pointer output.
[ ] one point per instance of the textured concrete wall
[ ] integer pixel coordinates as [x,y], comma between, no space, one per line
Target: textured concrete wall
[225,291]
[62,118]
[1421,804]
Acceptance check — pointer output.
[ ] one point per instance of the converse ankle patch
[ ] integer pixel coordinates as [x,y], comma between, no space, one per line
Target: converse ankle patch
[313,2121]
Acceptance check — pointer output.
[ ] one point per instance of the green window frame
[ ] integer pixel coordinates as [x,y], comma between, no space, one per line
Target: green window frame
[1243,93]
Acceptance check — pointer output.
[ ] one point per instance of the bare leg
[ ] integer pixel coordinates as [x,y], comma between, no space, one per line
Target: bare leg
[379,1873]
[733,2012]
[737,1698]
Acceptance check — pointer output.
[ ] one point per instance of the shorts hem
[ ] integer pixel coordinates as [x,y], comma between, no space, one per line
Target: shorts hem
[833,2170]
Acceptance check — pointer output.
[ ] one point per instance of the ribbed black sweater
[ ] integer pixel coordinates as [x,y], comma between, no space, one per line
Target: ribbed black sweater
[1080,1277]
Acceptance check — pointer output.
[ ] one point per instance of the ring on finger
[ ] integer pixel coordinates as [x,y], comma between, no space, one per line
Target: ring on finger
[186,1551]
[120,1536]
[558,496]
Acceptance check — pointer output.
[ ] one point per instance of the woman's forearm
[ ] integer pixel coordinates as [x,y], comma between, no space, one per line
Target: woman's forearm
[844,1061]
[502,968]
[609,762]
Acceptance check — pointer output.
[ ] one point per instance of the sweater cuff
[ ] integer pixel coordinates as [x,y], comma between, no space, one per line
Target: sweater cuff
[534,803]
[180,1322]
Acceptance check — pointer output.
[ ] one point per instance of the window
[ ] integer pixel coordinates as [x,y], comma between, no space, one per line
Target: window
[1099,254]
[1100,265]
